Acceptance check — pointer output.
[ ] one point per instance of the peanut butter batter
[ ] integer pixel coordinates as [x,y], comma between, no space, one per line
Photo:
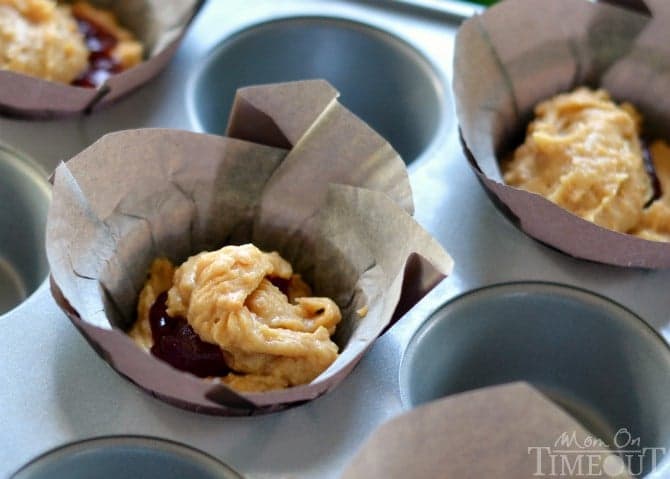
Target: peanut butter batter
[583,152]
[41,38]
[270,340]
[128,51]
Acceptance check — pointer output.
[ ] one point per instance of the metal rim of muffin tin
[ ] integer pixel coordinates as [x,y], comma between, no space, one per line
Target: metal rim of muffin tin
[356,89]
[515,331]
[427,151]
[75,458]
[25,195]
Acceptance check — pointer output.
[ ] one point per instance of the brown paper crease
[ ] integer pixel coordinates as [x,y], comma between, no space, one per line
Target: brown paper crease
[486,433]
[336,204]
[523,51]
[158,24]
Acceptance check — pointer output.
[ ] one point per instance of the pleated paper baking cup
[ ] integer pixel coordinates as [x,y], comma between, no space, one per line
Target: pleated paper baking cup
[505,431]
[522,52]
[158,25]
[298,174]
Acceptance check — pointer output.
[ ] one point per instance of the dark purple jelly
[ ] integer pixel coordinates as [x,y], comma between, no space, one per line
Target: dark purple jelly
[281,284]
[177,344]
[101,63]
[651,171]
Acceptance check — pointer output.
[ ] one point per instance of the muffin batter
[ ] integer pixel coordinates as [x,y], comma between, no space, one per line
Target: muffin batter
[583,152]
[40,39]
[77,44]
[230,297]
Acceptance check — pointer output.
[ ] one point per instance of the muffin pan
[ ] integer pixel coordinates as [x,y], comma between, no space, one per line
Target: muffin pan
[567,342]
[381,78]
[125,456]
[159,31]
[24,196]
[56,390]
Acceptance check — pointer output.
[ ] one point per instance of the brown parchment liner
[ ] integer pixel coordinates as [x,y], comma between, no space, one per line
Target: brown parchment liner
[523,51]
[337,204]
[485,433]
[158,24]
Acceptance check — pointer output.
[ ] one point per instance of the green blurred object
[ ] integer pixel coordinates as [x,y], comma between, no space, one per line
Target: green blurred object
[484,2]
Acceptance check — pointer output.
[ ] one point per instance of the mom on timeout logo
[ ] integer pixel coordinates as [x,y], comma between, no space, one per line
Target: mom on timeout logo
[592,457]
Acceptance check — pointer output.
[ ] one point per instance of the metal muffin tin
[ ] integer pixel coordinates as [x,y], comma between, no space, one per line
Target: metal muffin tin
[114,457]
[381,78]
[24,196]
[596,359]
[56,390]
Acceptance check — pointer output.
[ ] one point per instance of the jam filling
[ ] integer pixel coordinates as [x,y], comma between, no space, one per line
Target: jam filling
[281,284]
[101,62]
[651,171]
[176,343]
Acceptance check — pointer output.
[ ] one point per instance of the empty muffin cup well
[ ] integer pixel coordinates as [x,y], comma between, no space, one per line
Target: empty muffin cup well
[111,457]
[591,356]
[24,196]
[382,79]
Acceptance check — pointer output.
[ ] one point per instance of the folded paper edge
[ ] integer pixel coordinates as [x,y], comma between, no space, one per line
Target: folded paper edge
[376,438]
[86,100]
[623,250]
[272,401]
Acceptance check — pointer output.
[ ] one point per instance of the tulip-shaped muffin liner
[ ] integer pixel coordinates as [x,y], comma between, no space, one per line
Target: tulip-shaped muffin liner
[522,52]
[158,24]
[298,174]
[505,431]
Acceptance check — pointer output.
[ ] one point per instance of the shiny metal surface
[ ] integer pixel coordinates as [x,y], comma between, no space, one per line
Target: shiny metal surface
[117,457]
[595,358]
[24,200]
[380,78]
[56,390]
